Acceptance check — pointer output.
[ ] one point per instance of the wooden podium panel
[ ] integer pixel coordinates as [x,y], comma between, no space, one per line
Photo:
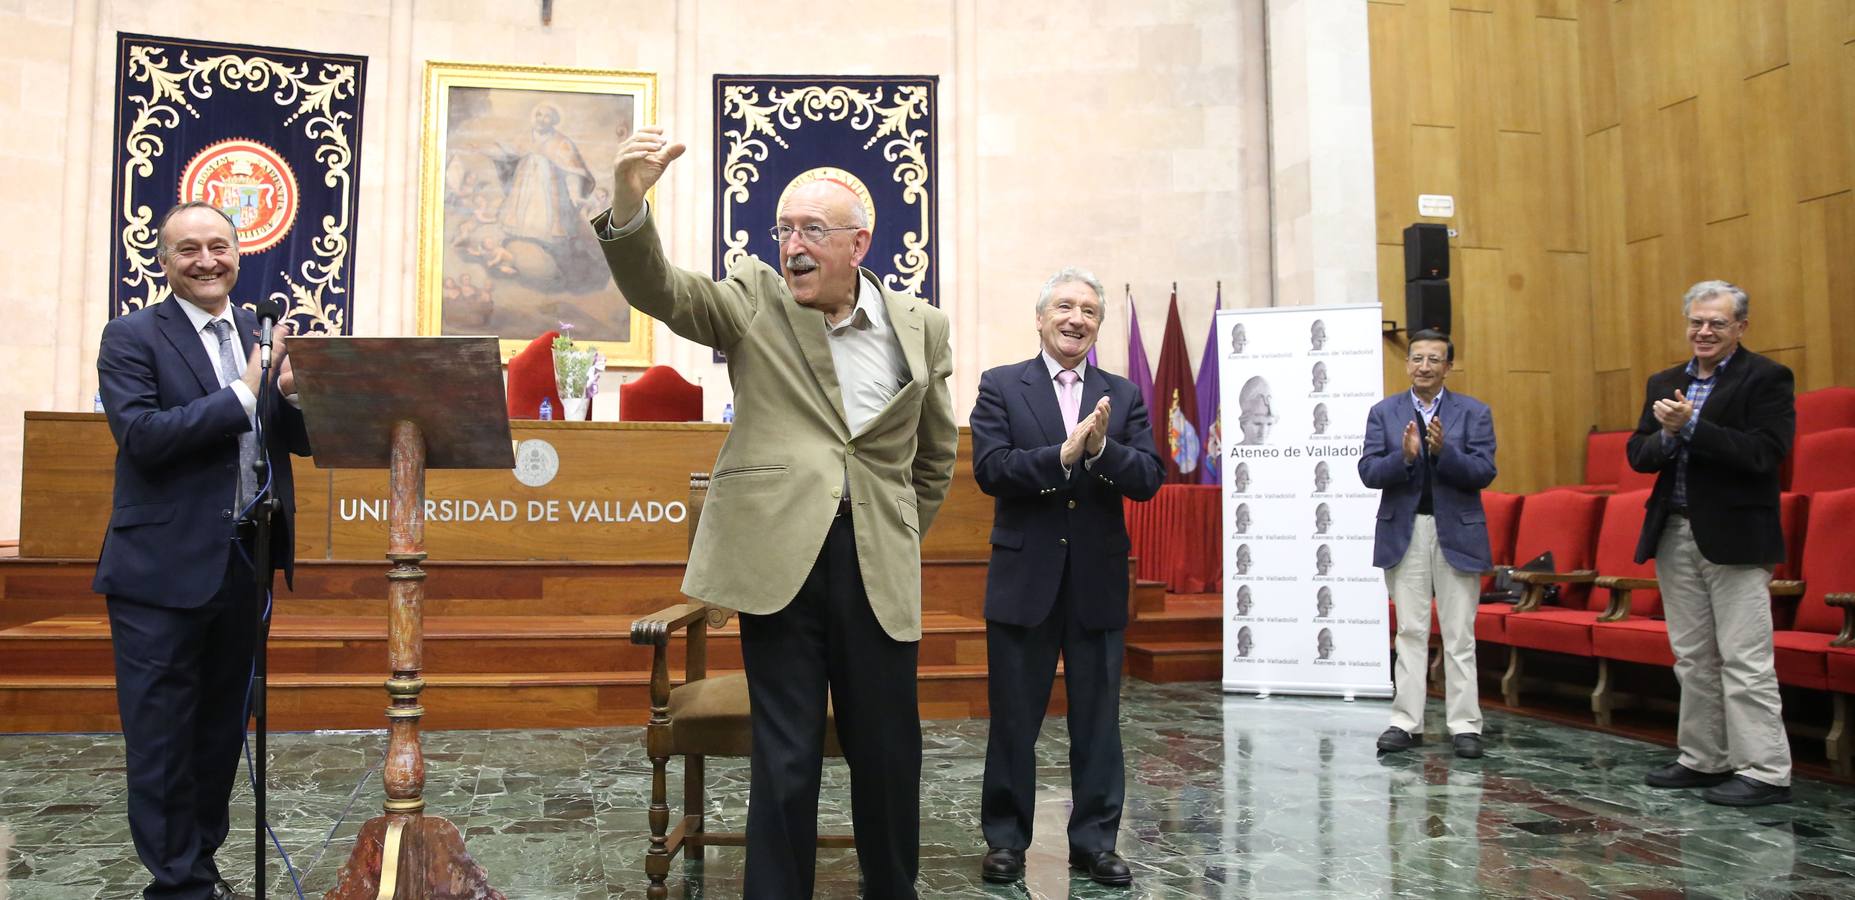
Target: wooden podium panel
[616,493]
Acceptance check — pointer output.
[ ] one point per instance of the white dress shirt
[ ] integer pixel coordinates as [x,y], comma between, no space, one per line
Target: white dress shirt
[202,326]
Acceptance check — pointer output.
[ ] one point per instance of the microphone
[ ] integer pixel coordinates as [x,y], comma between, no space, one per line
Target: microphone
[268,314]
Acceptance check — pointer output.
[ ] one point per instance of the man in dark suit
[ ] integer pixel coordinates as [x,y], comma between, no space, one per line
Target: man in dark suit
[1432,536]
[180,381]
[1057,582]
[1717,429]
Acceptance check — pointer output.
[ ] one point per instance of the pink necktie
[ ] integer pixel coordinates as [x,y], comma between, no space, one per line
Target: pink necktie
[1069,397]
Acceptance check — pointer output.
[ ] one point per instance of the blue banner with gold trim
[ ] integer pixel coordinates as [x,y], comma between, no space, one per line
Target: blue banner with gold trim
[874,134]
[272,137]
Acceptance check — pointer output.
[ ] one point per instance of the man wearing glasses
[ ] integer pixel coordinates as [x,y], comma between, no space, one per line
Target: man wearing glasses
[1429,452]
[1717,429]
[840,455]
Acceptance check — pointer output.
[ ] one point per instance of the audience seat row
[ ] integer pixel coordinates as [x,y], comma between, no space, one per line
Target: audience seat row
[1607,466]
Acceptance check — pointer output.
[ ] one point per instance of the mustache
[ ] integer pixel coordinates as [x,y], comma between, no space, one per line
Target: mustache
[801,259]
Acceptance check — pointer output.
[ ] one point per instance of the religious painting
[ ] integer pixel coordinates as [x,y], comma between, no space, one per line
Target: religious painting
[516,162]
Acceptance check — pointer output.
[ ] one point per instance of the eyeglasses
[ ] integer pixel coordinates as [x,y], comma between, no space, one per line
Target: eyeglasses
[812,234]
[1714,325]
[1432,360]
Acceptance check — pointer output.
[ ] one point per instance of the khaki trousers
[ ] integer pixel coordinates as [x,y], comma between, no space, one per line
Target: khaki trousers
[1413,581]
[1719,625]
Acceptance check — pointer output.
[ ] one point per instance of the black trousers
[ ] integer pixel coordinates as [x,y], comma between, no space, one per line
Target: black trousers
[828,638]
[181,682]
[1021,666]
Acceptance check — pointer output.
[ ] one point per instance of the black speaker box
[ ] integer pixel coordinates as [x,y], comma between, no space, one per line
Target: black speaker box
[1426,251]
[1426,305]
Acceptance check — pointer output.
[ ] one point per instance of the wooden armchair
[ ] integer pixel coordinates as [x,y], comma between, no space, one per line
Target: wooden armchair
[706,715]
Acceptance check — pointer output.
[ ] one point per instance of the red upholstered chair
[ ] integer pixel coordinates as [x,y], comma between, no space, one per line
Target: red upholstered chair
[1841,684]
[1629,479]
[531,378]
[1566,523]
[1802,650]
[1823,461]
[1825,408]
[1606,455]
[1567,628]
[659,395]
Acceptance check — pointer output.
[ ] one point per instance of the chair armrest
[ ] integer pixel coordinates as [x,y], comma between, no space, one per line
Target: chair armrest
[1581,576]
[1620,588]
[1621,582]
[1846,603]
[655,629]
[1787,589]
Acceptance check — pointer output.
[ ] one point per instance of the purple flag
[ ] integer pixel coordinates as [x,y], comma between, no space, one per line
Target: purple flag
[1139,371]
[1210,421]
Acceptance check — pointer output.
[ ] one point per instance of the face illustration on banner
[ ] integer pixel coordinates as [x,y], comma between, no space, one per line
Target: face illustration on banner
[1323,602]
[1243,559]
[1255,410]
[1323,519]
[1242,519]
[1243,600]
[1320,377]
[1240,479]
[1323,560]
[1322,477]
[1320,418]
[1237,339]
[1244,641]
[1317,336]
[1323,644]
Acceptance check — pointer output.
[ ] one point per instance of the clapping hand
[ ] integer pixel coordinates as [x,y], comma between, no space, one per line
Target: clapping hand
[1435,437]
[1098,427]
[1411,446]
[1673,414]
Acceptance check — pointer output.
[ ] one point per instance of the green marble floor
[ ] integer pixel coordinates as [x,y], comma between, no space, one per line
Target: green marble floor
[1227,796]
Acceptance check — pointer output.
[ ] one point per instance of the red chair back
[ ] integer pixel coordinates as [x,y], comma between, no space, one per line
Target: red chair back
[1629,479]
[659,395]
[1503,519]
[1825,408]
[1828,560]
[1606,455]
[1823,461]
[1793,510]
[1564,522]
[1616,552]
[531,379]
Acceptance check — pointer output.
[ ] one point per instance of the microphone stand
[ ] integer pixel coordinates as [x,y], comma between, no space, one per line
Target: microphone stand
[262,507]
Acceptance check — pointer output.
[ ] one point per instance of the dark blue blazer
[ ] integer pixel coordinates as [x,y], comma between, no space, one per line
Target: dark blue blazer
[1045,526]
[1464,468]
[176,433]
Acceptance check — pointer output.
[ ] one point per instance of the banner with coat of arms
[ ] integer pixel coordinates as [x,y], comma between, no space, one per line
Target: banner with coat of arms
[271,137]
[876,135]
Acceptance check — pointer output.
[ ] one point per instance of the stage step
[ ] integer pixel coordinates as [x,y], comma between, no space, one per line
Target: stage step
[1178,660]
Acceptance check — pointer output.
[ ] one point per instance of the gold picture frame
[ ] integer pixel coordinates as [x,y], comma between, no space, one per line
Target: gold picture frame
[514,161]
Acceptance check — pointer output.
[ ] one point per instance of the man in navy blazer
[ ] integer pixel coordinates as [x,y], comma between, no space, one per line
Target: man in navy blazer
[1057,582]
[176,564]
[1429,452]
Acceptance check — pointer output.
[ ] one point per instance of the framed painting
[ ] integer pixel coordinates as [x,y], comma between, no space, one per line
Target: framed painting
[515,161]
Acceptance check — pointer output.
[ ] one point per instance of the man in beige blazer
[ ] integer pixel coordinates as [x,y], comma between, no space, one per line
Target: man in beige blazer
[841,453]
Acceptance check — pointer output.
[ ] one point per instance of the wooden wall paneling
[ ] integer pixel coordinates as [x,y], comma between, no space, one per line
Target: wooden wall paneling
[1558,73]
[1520,308]
[1764,37]
[1560,304]
[1391,118]
[1525,433]
[1722,114]
[1653,308]
[1480,351]
[1597,84]
[1645,185]
[1771,164]
[1431,75]
[1682,223]
[1391,296]
[1566,10]
[1827,286]
[1670,33]
[1613,326]
[1520,200]
[1476,206]
[1482,6]
[1516,70]
[1618,399]
[1436,168]
[1820,109]
[64,508]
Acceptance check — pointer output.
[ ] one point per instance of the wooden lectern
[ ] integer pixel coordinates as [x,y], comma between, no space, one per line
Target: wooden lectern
[408,404]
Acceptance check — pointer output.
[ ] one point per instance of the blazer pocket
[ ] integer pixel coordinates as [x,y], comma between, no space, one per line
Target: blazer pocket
[141,514]
[743,471]
[1007,538]
[909,517]
[1474,517]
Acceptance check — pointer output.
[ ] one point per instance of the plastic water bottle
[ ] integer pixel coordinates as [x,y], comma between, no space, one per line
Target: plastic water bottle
[96,402]
[727,412]
[547,410]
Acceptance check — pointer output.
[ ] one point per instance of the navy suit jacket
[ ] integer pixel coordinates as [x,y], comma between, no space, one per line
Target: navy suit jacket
[1465,466]
[1739,445]
[176,431]
[1046,526]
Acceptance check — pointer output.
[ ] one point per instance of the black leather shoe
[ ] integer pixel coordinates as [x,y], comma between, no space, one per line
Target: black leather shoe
[1395,739]
[1676,775]
[223,891]
[1002,866]
[1741,790]
[1468,745]
[1104,866]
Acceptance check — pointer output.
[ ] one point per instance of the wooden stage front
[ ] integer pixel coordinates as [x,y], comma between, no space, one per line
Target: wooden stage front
[531,594]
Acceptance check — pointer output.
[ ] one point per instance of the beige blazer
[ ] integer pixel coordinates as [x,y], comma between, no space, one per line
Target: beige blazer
[775,486]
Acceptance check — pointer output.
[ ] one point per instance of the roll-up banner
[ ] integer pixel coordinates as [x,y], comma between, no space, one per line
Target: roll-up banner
[1305,611]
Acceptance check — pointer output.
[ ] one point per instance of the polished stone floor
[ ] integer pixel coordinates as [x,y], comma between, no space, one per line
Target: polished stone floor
[1227,796]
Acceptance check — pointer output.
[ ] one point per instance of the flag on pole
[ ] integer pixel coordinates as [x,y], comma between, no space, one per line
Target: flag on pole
[1175,413]
[1210,411]
[1139,371]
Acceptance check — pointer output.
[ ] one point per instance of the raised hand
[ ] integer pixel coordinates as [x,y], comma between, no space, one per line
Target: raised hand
[1411,447]
[1435,437]
[280,357]
[1098,432]
[641,161]
[1675,413]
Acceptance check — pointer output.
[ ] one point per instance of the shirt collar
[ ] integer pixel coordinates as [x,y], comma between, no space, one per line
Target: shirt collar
[1050,363]
[1434,402]
[866,315]
[200,317]
[1693,369]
